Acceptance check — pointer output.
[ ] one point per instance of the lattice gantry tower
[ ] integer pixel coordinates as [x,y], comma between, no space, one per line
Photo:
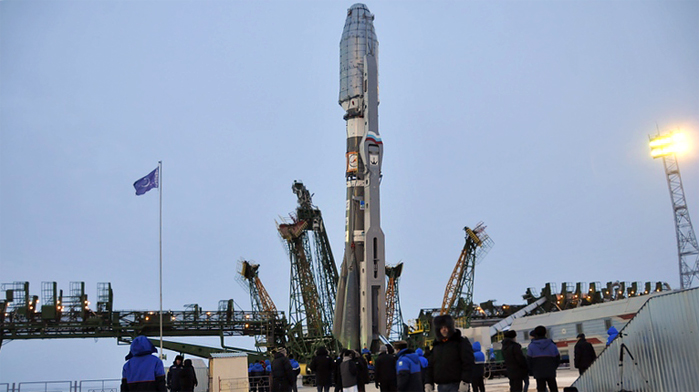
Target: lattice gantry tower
[667,146]
[395,328]
[460,286]
[314,275]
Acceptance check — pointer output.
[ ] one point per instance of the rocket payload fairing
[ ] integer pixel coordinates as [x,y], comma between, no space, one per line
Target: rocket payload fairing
[360,306]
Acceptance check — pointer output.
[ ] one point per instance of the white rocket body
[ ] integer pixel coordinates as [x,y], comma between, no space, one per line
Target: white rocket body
[360,309]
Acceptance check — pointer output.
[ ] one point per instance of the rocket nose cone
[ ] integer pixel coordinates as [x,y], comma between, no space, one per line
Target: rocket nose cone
[357,6]
[358,39]
[359,13]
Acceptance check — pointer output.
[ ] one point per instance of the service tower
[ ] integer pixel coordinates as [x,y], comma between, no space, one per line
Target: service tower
[360,309]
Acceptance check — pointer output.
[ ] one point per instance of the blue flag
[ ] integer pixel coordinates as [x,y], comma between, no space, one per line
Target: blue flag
[147,183]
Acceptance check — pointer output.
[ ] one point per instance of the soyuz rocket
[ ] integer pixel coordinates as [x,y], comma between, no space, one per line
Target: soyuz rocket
[360,307]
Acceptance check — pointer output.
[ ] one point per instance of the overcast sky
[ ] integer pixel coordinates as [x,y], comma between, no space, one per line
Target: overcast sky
[531,116]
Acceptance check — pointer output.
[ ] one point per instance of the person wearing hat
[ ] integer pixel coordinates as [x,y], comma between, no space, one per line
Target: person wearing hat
[322,366]
[173,374]
[143,371]
[515,363]
[346,379]
[408,368]
[451,362]
[584,354]
[543,359]
[385,375]
[188,377]
[282,373]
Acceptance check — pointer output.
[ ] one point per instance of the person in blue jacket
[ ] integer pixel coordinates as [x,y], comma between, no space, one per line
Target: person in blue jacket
[613,333]
[543,359]
[297,370]
[257,373]
[477,381]
[366,354]
[408,368]
[143,371]
[423,365]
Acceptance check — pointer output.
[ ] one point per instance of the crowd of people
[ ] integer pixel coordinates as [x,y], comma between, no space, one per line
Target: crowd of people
[145,372]
[452,364]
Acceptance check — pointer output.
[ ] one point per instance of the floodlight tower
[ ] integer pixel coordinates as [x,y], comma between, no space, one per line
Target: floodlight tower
[667,146]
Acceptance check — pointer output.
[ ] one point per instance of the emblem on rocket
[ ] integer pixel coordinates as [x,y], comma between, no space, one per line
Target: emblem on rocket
[360,307]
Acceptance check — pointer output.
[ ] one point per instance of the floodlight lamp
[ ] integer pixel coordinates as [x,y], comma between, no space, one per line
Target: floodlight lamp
[672,143]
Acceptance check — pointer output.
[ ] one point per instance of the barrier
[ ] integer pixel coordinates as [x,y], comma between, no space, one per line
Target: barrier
[655,352]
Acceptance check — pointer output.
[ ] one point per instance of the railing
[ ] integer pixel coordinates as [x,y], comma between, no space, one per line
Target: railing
[113,385]
[46,386]
[107,385]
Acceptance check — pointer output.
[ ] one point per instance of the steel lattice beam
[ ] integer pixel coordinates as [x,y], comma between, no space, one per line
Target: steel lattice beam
[687,248]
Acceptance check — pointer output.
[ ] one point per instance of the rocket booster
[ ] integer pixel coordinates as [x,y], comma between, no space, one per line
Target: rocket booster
[360,307]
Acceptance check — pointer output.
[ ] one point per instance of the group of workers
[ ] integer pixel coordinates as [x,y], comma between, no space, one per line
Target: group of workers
[453,364]
[144,372]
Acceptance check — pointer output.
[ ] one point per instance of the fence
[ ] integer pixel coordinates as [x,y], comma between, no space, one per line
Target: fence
[655,352]
[110,385]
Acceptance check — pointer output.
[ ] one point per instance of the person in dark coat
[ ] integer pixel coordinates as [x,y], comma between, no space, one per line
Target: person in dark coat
[477,381]
[515,363]
[322,366]
[451,362]
[143,371]
[408,368]
[543,359]
[584,354]
[173,374]
[337,376]
[362,371]
[282,374]
[188,377]
[385,375]
[423,365]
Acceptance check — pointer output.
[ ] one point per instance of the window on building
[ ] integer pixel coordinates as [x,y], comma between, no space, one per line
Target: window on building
[607,324]
[579,328]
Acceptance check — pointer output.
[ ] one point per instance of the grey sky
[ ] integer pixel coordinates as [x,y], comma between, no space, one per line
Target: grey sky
[531,116]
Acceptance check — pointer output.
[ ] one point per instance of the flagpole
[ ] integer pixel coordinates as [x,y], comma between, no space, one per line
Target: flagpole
[160,191]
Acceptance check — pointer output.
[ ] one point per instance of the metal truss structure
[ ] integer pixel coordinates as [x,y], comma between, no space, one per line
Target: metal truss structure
[260,300]
[458,295]
[71,317]
[395,328]
[314,275]
[687,247]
